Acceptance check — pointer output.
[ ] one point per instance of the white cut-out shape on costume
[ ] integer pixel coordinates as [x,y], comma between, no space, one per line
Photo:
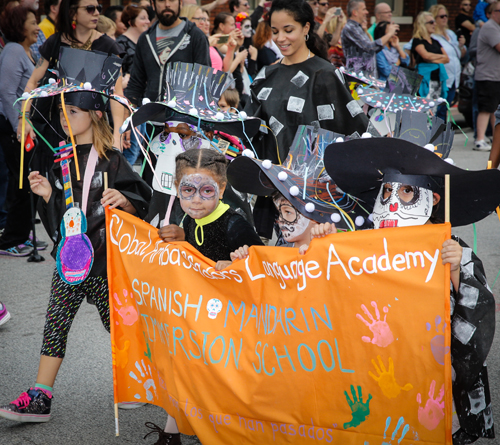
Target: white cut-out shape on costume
[214,306]
[275,125]
[462,330]
[295,104]
[325,112]
[264,93]
[261,74]
[149,382]
[354,108]
[468,296]
[340,75]
[300,79]
[477,400]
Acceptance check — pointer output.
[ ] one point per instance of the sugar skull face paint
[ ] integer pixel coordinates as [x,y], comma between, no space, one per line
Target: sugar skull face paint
[199,193]
[402,205]
[246,28]
[292,224]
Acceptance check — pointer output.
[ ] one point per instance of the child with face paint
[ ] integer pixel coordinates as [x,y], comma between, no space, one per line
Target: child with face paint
[209,225]
[412,194]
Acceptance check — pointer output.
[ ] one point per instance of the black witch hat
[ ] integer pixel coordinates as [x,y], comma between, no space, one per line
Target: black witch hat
[301,179]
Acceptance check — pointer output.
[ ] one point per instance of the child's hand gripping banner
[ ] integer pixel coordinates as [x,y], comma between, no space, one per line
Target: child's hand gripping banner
[348,344]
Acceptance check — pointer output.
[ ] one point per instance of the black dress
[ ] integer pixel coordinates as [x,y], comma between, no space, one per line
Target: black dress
[121,177]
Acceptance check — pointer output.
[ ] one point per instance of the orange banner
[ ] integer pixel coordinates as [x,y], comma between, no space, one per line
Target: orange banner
[348,344]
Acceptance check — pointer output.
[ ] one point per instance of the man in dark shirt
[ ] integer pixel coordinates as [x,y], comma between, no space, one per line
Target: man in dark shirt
[464,23]
[359,49]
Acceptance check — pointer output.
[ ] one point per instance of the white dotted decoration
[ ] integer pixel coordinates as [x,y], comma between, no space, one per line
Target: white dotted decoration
[431,103]
[282,176]
[370,217]
[359,221]
[243,115]
[310,207]
[193,112]
[52,81]
[359,90]
[368,99]
[145,100]
[366,135]
[219,116]
[450,161]
[248,153]
[87,85]
[335,217]
[294,190]
[339,139]
[44,94]
[429,147]
[378,104]
[25,96]
[171,104]
[267,164]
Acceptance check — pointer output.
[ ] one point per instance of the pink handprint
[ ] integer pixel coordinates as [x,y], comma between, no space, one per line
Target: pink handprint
[382,334]
[433,412]
[128,312]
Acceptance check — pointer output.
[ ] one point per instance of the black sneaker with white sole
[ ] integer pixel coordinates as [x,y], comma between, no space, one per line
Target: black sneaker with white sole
[30,406]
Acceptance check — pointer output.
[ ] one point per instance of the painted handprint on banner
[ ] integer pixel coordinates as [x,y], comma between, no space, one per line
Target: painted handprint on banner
[433,412]
[120,356]
[360,410]
[439,350]
[386,379]
[149,383]
[382,334]
[400,423]
[127,311]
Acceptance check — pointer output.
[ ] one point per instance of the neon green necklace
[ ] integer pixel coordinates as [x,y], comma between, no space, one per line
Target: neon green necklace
[214,216]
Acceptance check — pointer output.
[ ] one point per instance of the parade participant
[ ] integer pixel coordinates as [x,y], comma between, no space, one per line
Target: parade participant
[404,185]
[84,122]
[191,116]
[209,225]
[76,26]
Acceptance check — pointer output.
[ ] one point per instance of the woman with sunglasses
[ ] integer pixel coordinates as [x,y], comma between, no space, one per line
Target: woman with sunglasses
[429,57]
[454,47]
[76,24]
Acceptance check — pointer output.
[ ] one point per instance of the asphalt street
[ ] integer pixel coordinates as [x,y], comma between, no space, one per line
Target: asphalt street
[82,410]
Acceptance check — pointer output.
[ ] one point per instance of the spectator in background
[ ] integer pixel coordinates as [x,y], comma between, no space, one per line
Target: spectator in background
[479,15]
[334,29]
[237,6]
[314,6]
[35,48]
[323,7]
[17,63]
[115,13]
[430,57]
[224,24]
[486,75]
[464,23]
[454,48]
[262,41]
[383,13]
[48,24]
[358,48]
[391,55]
[106,26]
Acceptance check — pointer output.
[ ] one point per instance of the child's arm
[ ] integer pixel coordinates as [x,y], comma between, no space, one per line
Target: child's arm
[115,199]
[171,233]
[239,254]
[452,253]
[40,185]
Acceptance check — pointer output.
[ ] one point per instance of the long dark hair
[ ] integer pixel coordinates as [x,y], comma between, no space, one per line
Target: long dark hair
[220,19]
[302,13]
[67,11]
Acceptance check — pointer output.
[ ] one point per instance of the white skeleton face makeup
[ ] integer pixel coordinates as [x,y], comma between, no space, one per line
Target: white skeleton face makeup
[199,194]
[246,29]
[292,224]
[401,205]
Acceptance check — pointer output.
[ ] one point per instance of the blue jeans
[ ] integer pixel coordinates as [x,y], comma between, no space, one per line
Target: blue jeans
[442,110]
[132,153]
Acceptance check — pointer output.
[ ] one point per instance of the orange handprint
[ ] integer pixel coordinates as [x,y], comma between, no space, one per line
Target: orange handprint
[386,379]
[120,356]
[128,311]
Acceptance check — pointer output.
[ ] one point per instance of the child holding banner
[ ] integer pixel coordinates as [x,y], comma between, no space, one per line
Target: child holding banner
[412,193]
[209,225]
[83,75]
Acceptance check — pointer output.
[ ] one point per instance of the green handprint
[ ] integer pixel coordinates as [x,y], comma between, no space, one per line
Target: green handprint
[360,410]
[148,353]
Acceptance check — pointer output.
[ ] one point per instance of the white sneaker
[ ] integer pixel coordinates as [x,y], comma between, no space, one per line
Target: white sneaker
[481,145]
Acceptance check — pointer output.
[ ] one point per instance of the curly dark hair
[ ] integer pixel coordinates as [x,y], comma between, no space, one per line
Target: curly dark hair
[205,158]
[12,23]
[302,13]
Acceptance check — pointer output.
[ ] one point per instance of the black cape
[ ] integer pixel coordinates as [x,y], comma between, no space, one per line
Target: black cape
[120,177]
[286,96]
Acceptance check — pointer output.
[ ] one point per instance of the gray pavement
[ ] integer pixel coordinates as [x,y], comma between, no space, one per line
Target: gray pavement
[82,410]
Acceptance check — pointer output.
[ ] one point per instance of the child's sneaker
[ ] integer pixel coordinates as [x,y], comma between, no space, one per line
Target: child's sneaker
[20,250]
[31,406]
[4,314]
[481,145]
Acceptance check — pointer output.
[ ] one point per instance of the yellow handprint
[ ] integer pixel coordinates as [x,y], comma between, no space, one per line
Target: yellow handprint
[386,379]
[120,356]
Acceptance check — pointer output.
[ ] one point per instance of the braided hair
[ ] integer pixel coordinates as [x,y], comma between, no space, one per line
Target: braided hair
[205,158]
[302,13]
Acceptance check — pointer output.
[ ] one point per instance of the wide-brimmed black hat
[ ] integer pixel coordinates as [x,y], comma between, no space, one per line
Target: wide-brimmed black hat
[301,179]
[358,167]
[86,78]
[192,95]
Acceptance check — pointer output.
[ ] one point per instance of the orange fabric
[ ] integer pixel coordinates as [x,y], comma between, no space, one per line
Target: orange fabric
[340,345]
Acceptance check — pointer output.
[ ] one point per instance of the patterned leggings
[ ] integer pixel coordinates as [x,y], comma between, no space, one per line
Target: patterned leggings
[64,302]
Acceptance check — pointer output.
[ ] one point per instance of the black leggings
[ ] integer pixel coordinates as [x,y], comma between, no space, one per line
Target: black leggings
[65,300]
